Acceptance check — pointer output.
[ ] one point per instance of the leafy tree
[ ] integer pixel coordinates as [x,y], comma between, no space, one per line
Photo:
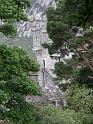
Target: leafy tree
[62,70]
[81,12]
[79,99]
[10,12]
[70,28]
[15,84]
[55,115]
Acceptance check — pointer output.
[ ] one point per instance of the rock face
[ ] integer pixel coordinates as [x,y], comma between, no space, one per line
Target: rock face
[36,28]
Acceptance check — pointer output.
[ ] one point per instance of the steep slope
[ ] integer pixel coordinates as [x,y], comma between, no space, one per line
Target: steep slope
[36,28]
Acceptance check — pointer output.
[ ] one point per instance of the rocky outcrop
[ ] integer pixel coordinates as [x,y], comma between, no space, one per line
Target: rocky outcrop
[36,28]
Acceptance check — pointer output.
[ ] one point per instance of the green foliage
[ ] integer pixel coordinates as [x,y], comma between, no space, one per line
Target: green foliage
[15,84]
[22,85]
[70,28]
[75,42]
[8,30]
[9,8]
[79,99]
[26,63]
[81,12]
[15,61]
[10,12]
[63,70]
[55,115]
[24,115]
[3,96]
[82,77]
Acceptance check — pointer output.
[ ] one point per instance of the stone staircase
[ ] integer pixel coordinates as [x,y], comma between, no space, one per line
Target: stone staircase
[36,28]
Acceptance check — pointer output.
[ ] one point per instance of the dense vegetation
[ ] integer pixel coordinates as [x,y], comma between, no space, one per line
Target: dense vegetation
[12,11]
[70,27]
[15,84]
[15,65]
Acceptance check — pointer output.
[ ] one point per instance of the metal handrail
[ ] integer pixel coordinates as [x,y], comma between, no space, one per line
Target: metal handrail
[43,69]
